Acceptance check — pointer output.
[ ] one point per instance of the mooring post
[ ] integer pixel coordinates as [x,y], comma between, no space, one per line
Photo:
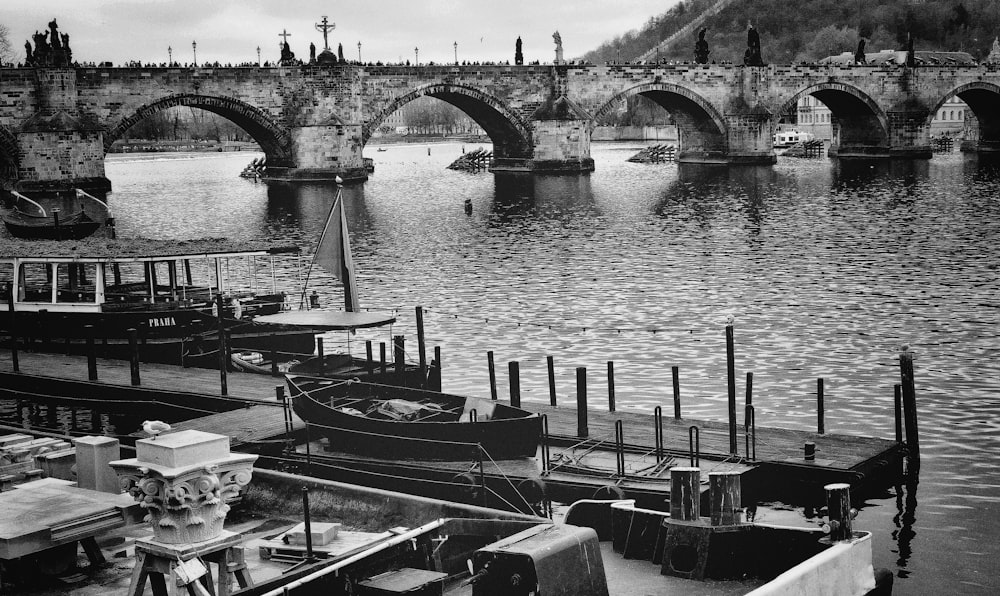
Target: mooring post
[436,386]
[13,328]
[897,402]
[320,352]
[493,375]
[685,493]
[421,348]
[133,351]
[724,492]
[838,507]
[820,411]
[369,364]
[731,376]
[675,374]
[279,394]
[749,400]
[581,402]
[91,355]
[514,371]
[611,386]
[381,357]
[550,364]
[909,410]
[400,343]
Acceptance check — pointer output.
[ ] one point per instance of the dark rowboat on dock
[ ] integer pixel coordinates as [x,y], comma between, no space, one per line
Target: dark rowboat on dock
[404,423]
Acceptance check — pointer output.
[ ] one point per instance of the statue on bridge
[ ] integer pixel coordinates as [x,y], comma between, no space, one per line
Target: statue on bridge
[312,53]
[518,56]
[859,56]
[701,51]
[287,55]
[51,48]
[752,55]
[559,49]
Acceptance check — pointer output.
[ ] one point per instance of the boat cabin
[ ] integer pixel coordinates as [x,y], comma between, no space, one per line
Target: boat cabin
[122,275]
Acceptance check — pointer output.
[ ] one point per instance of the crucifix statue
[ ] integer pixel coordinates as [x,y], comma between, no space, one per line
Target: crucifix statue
[325,27]
[285,35]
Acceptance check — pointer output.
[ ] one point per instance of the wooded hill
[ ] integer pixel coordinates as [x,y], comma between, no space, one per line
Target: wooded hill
[793,31]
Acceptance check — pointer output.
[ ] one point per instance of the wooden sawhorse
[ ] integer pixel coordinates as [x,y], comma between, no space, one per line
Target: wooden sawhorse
[158,562]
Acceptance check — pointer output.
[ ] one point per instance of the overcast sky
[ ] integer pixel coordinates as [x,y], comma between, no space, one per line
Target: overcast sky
[389,30]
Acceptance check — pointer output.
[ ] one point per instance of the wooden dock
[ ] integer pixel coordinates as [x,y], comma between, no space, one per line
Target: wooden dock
[253,414]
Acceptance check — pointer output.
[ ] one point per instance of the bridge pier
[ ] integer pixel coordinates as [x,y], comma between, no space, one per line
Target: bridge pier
[59,151]
[559,146]
[320,153]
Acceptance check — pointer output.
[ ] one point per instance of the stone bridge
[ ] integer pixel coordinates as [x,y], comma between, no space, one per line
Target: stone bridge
[56,125]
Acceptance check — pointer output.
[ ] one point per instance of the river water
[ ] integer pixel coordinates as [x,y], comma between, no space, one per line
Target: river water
[827,269]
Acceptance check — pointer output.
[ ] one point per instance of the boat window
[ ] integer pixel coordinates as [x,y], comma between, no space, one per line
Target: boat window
[6,278]
[75,282]
[35,282]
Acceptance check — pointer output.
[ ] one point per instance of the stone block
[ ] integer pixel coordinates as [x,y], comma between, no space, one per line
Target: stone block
[182,449]
[92,457]
[322,533]
[58,464]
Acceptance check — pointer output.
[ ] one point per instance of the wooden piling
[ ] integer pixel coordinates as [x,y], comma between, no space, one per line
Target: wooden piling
[320,352]
[731,376]
[909,411]
[581,402]
[611,386]
[749,392]
[13,328]
[381,357]
[133,351]
[513,369]
[685,493]
[550,364]
[724,491]
[369,363]
[820,413]
[400,352]
[421,348]
[838,507]
[493,375]
[675,375]
[897,402]
[91,355]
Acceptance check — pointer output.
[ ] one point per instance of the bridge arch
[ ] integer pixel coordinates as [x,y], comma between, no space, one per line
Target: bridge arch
[10,156]
[859,124]
[984,100]
[701,127]
[510,133]
[275,140]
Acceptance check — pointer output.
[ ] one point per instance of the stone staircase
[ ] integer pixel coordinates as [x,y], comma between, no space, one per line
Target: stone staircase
[686,32]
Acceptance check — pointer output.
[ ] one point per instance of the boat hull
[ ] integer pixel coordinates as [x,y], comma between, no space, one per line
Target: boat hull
[502,431]
[76,226]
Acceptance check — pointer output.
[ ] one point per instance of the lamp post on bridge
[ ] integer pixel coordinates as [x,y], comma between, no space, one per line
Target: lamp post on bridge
[416,56]
[456,53]
[194,49]
[359,51]
[170,56]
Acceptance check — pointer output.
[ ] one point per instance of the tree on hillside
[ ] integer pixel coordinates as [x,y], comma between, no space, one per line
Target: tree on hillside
[6,49]
[829,41]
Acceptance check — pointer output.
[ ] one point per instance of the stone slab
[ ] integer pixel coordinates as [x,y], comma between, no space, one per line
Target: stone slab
[9,440]
[322,533]
[182,449]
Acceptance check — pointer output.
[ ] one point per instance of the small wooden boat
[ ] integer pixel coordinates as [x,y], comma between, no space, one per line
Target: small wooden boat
[404,423]
[53,227]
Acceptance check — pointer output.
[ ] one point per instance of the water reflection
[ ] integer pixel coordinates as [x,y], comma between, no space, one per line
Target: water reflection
[517,196]
[906,507]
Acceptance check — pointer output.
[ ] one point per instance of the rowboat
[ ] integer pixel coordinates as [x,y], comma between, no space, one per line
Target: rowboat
[404,423]
[71,227]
